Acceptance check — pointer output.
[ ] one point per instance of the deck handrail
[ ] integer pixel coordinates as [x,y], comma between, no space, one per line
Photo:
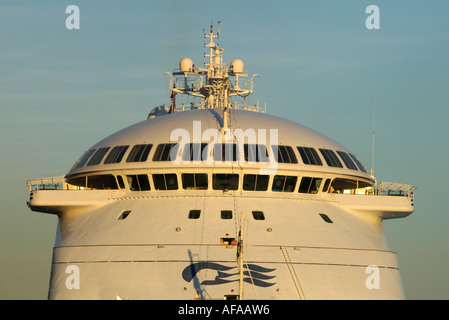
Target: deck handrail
[395,189]
[49,183]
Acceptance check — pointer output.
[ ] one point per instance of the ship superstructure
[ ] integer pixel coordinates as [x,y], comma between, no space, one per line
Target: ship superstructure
[215,199]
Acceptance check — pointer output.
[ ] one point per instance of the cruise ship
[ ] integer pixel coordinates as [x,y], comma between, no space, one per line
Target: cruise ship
[215,199]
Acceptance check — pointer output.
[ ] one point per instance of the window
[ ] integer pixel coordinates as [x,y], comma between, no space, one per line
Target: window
[326,185]
[309,185]
[139,153]
[195,152]
[258,215]
[226,214]
[116,154]
[309,156]
[225,181]
[104,181]
[166,181]
[331,158]
[166,152]
[100,182]
[82,161]
[284,183]
[255,182]
[225,152]
[139,182]
[255,153]
[347,160]
[78,181]
[124,215]
[120,182]
[98,156]
[340,185]
[194,181]
[194,214]
[359,164]
[228,241]
[284,154]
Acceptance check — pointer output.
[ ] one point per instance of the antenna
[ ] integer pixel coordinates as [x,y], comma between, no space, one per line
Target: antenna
[374,115]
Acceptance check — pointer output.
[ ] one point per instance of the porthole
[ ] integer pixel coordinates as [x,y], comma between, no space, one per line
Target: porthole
[226,214]
[258,215]
[194,214]
[326,218]
[124,215]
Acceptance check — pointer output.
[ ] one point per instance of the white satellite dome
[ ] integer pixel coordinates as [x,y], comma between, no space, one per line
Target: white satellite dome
[186,65]
[159,111]
[237,66]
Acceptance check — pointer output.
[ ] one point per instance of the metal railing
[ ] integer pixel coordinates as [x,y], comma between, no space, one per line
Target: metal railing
[395,189]
[50,183]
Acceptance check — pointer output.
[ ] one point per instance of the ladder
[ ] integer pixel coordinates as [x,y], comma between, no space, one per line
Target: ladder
[241,261]
[292,273]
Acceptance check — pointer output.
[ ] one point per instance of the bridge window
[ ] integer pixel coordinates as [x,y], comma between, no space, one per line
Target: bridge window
[116,154]
[309,185]
[225,152]
[138,182]
[82,161]
[309,156]
[195,152]
[348,186]
[139,153]
[326,185]
[99,182]
[167,181]
[331,158]
[225,181]
[98,156]
[194,181]
[284,154]
[255,182]
[284,183]
[359,164]
[347,160]
[105,181]
[255,153]
[166,152]
[120,182]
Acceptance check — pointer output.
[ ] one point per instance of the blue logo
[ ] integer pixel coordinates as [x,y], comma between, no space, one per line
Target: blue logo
[225,274]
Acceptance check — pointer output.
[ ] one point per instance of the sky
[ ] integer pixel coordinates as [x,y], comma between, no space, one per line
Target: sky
[62,90]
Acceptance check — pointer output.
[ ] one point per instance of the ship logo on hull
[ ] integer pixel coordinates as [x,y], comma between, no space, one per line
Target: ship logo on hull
[253,274]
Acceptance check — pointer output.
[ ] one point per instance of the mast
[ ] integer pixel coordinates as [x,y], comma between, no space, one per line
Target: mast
[216,83]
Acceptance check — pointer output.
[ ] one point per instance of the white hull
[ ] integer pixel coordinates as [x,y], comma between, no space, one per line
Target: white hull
[157,252]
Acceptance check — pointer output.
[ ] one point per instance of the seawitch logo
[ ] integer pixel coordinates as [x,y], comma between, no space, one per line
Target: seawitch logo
[253,274]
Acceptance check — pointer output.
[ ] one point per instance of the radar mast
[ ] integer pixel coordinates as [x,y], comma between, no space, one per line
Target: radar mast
[216,83]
